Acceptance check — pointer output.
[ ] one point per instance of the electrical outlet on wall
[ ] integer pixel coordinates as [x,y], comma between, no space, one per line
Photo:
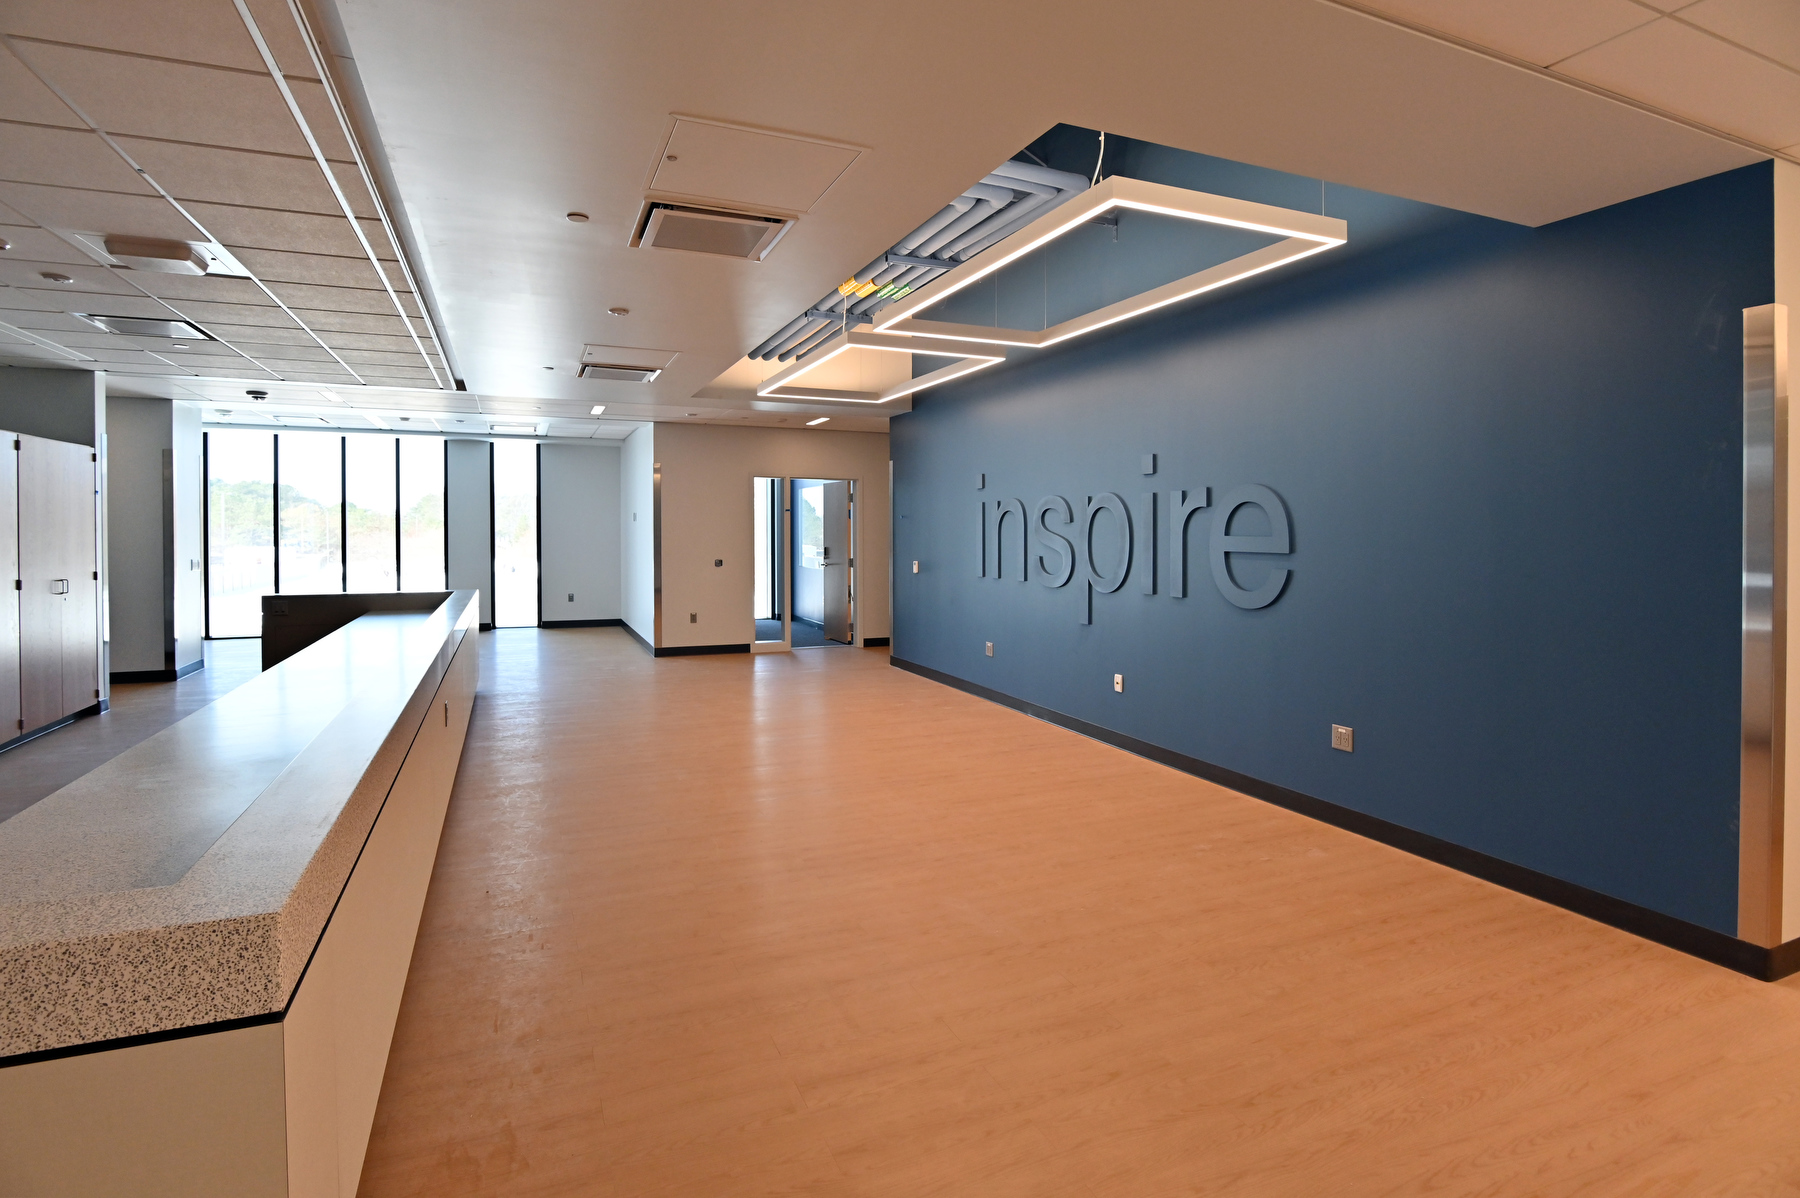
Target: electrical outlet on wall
[990,648]
[1343,738]
[1119,683]
[571,596]
[915,567]
[693,617]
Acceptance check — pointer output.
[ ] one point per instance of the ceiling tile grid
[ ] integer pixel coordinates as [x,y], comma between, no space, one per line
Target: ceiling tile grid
[164,121]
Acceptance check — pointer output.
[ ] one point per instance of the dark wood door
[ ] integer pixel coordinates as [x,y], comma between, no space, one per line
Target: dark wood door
[58,596]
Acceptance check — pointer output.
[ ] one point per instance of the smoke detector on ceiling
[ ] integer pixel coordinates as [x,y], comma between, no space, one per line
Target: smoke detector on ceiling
[716,231]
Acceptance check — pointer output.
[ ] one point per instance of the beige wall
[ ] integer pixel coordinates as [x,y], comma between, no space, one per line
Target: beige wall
[706,516]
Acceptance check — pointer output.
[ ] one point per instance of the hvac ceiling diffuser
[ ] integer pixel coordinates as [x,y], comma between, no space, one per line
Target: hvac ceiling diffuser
[709,231]
[619,374]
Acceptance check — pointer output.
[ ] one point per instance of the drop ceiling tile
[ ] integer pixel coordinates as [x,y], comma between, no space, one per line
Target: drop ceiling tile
[39,245]
[349,177]
[376,358]
[48,324]
[242,177]
[34,355]
[276,24]
[1539,31]
[379,241]
[351,322]
[1770,27]
[333,299]
[217,288]
[261,229]
[23,97]
[179,101]
[236,314]
[397,378]
[282,363]
[90,278]
[246,371]
[322,270]
[97,211]
[337,339]
[12,297]
[104,304]
[196,32]
[262,335]
[261,350]
[322,119]
[120,356]
[199,362]
[332,380]
[1687,72]
[742,166]
[64,158]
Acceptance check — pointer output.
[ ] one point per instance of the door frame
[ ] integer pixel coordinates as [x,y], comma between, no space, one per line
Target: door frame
[784,489]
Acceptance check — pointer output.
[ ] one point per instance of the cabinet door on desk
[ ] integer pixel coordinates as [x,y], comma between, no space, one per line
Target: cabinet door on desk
[58,602]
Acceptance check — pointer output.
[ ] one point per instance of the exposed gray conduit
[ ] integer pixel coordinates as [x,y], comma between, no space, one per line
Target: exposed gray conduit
[978,218]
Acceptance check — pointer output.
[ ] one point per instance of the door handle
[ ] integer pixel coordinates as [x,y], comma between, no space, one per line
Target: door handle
[59,586]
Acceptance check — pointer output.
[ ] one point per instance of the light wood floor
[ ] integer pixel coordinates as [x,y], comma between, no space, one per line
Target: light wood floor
[809,925]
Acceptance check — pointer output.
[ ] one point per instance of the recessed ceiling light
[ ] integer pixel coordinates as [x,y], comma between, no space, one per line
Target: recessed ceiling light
[221,411]
[4,245]
[512,428]
[257,394]
[598,408]
[549,368]
[579,218]
[618,311]
[54,277]
[406,417]
[820,420]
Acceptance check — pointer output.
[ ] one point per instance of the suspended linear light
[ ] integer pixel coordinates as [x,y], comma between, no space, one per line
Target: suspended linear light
[967,360]
[1303,235]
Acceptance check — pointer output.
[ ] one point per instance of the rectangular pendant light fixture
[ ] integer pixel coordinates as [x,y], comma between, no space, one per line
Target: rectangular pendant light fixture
[1303,234]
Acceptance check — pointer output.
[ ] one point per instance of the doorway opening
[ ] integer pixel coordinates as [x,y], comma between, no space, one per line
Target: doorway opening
[822,532]
[768,603]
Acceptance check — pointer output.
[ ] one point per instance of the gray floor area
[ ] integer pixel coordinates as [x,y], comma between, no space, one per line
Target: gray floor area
[43,766]
[806,636]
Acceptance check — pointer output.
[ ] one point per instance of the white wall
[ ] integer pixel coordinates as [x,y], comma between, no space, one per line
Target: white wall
[707,516]
[468,515]
[637,560]
[578,531]
[139,435]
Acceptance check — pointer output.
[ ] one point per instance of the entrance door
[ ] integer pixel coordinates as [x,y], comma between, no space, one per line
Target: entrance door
[58,597]
[838,562]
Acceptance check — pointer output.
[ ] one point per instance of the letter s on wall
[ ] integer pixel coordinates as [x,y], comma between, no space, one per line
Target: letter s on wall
[1279,540]
[1055,542]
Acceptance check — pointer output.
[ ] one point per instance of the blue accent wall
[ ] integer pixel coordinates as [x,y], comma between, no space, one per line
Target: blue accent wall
[1513,462]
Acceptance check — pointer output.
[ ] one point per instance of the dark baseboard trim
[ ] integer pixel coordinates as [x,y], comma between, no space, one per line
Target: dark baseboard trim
[638,637]
[875,642]
[698,650]
[158,675]
[25,738]
[484,628]
[1766,964]
[581,624]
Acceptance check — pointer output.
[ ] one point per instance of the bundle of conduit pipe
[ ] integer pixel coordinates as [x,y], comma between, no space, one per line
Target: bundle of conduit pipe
[1015,193]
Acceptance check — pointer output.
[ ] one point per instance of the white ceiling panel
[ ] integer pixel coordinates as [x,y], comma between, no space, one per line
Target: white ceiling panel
[1770,27]
[233,314]
[1688,72]
[1540,31]
[23,97]
[26,274]
[755,168]
[333,299]
[97,211]
[217,288]
[39,245]
[201,32]
[323,270]
[64,158]
[176,100]
[256,228]
[241,177]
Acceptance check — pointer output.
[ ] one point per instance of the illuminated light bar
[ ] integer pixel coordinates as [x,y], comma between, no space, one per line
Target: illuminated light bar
[968,360]
[1303,235]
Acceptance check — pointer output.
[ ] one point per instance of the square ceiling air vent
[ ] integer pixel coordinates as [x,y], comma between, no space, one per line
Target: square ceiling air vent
[617,373]
[709,231]
[137,326]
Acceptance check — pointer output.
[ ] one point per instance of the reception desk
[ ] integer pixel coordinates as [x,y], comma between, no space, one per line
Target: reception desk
[203,943]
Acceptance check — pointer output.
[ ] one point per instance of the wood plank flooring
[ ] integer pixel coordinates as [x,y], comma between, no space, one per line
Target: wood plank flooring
[805,924]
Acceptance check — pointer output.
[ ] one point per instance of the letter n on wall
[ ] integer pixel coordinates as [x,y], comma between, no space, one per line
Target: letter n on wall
[1004,517]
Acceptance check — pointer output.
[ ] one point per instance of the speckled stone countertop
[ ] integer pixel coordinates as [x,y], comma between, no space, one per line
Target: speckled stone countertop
[186,881]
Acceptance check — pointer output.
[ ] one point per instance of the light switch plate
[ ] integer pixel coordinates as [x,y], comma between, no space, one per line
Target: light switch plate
[1343,738]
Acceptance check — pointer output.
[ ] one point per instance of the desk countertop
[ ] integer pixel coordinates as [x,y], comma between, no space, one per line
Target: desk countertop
[186,881]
